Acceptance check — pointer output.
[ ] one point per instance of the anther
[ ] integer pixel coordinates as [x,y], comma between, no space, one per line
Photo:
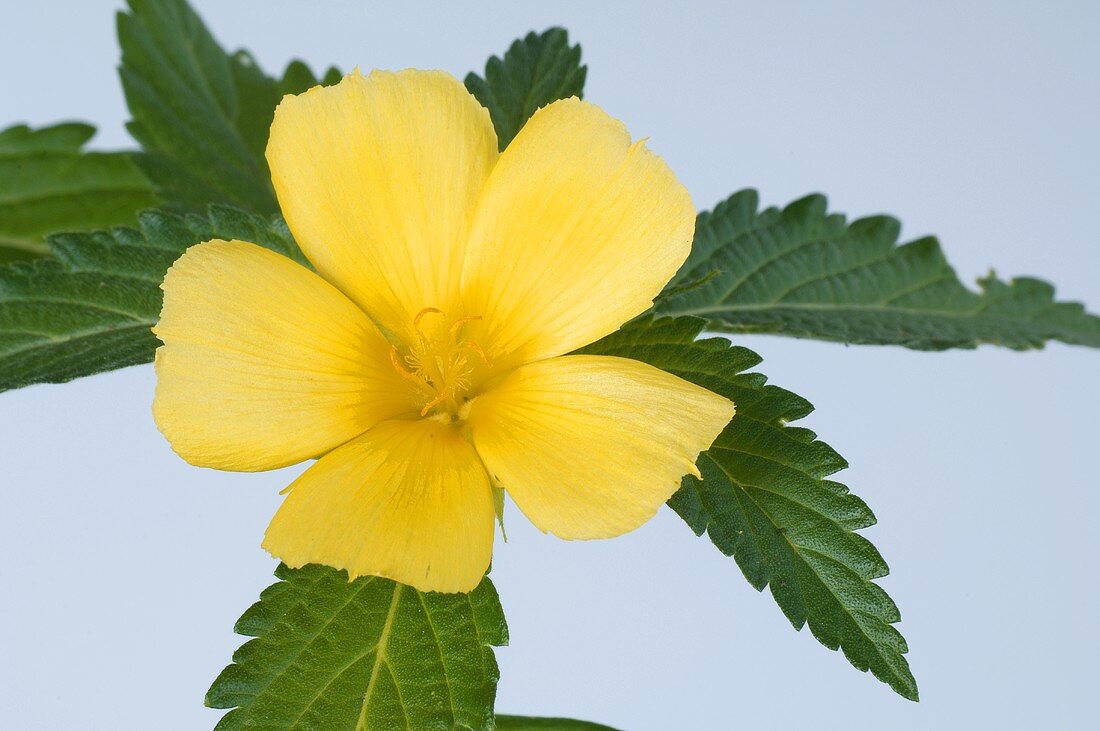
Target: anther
[440,363]
[462,321]
[395,358]
[481,353]
[439,398]
[420,316]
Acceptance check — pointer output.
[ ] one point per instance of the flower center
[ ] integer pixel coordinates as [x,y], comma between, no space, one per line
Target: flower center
[442,362]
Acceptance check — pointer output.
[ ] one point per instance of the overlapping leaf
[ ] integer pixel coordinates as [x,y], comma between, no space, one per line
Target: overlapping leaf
[765,500]
[48,183]
[366,655]
[536,70]
[91,307]
[805,272]
[201,115]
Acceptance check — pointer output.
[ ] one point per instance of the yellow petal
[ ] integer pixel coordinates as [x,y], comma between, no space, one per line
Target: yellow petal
[577,231]
[264,364]
[378,178]
[591,446]
[408,500]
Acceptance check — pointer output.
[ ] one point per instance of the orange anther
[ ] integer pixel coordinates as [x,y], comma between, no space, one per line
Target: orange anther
[420,316]
[398,366]
[439,398]
[481,353]
[462,321]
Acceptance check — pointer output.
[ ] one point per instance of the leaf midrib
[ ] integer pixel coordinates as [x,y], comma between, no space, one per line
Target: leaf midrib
[379,658]
[767,261]
[134,319]
[32,245]
[312,638]
[135,188]
[797,552]
[828,306]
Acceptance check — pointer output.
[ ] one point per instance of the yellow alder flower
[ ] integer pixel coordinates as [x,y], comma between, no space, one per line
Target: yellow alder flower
[425,362]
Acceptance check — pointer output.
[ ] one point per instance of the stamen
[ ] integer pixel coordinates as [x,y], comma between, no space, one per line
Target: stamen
[462,321]
[439,398]
[400,368]
[439,362]
[420,316]
[481,353]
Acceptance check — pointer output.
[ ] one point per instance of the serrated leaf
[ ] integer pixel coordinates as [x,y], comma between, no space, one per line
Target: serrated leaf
[201,115]
[529,723]
[48,183]
[90,309]
[365,655]
[64,137]
[804,272]
[260,94]
[298,77]
[536,70]
[764,499]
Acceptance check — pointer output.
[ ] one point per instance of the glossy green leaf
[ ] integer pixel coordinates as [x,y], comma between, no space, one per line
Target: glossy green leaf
[202,115]
[766,501]
[48,183]
[90,309]
[536,70]
[366,655]
[804,272]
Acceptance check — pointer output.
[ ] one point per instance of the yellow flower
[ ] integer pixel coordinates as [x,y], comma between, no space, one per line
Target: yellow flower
[425,362]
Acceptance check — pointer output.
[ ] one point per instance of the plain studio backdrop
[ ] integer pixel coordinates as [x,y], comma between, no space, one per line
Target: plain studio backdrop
[123,569]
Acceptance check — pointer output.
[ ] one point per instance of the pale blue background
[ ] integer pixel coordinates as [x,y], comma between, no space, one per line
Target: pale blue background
[122,569]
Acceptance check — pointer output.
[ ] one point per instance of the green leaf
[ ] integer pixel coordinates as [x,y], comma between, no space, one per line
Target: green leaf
[536,70]
[363,655]
[48,183]
[64,137]
[202,115]
[526,723]
[804,272]
[260,94]
[91,308]
[764,499]
[298,77]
